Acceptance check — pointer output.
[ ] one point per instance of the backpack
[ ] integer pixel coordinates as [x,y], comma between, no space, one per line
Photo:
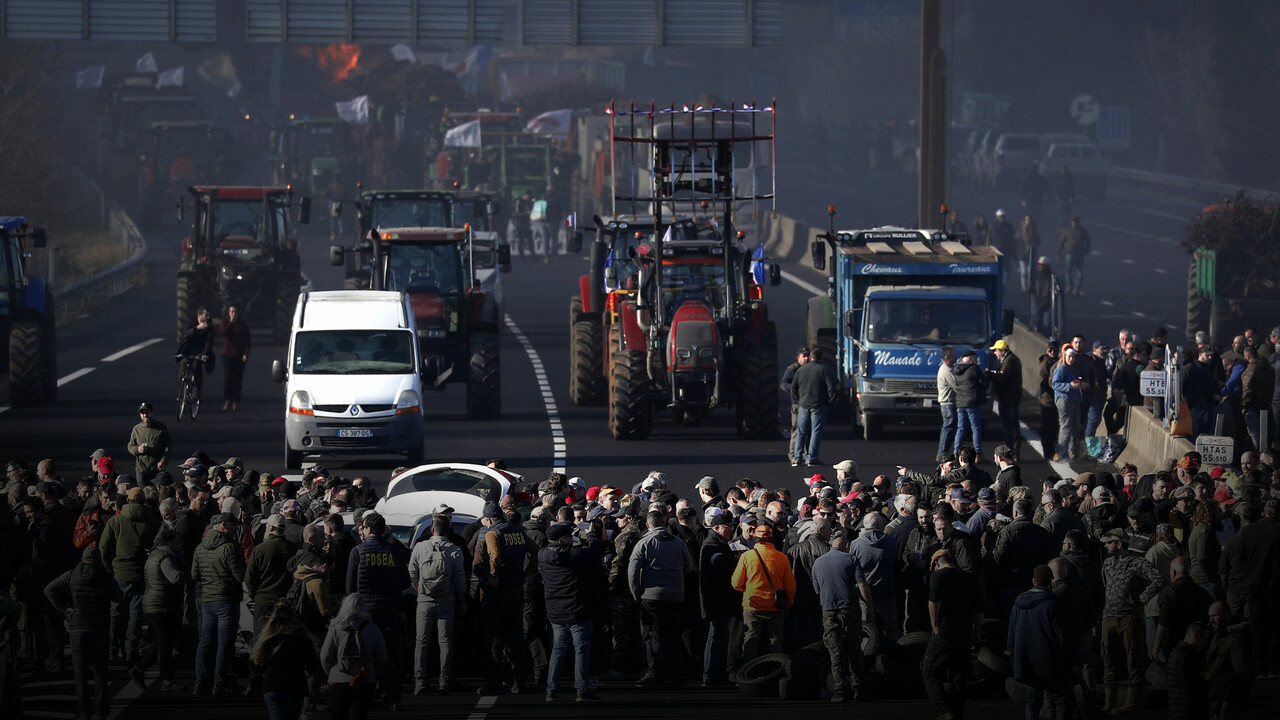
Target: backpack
[304,606]
[433,573]
[350,652]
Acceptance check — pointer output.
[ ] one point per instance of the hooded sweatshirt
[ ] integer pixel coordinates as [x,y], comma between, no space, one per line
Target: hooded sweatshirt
[1038,637]
[658,566]
[877,554]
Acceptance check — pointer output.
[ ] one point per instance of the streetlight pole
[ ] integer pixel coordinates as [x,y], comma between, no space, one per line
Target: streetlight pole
[933,115]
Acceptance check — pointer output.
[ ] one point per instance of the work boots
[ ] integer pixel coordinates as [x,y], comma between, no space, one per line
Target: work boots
[1132,703]
[1110,703]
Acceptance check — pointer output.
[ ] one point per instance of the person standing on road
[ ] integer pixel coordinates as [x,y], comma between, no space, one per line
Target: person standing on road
[436,571]
[1129,581]
[721,603]
[218,570]
[1006,385]
[1067,398]
[1034,188]
[235,353]
[354,654]
[125,541]
[1042,652]
[149,444]
[768,586]
[802,357]
[814,388]
[947,403]
[499,566]
[970,398]
[1096,398]
[285,658]
[953,599]
[166,574]
[1006,241]
[569,574]
[84,594]
[1028,248]
[1046,285]
[836,575]
[378,572]
[656,576]
[1258,385]
[1073,248]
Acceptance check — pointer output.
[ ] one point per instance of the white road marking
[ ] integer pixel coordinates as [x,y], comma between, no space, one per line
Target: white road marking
[553,415]
[486,702]
[804,284]
[4,408]
[1127,261]
[75,375]
[1169,216]
[1108,303]
[131,349]
[1161,271]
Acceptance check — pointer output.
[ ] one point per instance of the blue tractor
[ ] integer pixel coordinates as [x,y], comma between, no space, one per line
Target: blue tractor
[26,317]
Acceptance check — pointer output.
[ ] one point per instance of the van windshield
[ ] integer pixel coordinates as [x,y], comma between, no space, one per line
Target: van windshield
[363,352]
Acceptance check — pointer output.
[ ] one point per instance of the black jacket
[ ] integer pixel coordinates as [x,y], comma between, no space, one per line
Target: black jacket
[969,384]
[87,589]
[569,575]
[814,386]
[1020,547]
[717,561]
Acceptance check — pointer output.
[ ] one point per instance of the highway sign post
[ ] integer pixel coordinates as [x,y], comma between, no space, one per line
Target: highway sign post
[1217,450]
[1153,383]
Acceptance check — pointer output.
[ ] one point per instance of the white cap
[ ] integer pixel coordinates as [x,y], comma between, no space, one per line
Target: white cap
[1000,213]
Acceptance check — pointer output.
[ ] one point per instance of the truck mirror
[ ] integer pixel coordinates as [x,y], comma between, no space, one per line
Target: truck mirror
[504,258]
[181,208]
[335,209]
[775,275]
[335,254]
[1006,322]
[575,241]
[611,276]
[39,238]
[819,251]
[277,371]
[304,211]
[850,323]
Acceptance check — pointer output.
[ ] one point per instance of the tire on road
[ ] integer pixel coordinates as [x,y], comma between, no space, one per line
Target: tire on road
[758,402]
[484,377]
[762,676]
[870,639]
[995,662]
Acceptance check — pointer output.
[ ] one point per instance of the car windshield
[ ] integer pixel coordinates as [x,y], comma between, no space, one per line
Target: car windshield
[363,352]
[409,212]
[909,320]
[447,479]
[423,269]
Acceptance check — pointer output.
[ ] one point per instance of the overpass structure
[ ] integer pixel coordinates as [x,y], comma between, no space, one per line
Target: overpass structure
[509,23]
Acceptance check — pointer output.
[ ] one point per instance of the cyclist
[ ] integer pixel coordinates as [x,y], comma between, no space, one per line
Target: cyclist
[196,348]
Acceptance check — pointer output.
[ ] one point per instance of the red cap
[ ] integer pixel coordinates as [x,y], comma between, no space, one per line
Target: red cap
[105,465]
[593,492]
[1187,463]
[279,481]
[1216,473]
[850,497]
[1225,495]
[815,478]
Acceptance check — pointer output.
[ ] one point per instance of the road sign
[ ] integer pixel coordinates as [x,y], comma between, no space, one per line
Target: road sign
[1216,449]
[1112,132]
[1153,383]
[1084,110]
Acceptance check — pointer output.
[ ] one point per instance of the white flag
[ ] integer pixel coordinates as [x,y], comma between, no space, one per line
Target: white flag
[465,135]
[403,53]
[146,64]
[170,78]
[553,124]
[355,110]
[90,77]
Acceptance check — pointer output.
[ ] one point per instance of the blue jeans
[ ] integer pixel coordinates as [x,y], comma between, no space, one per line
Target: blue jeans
[282,705]
[721,650]
[1075,272]
[1095,416]
[560,635]
[809,422]
[947,437]
[969,420]
[126,616]
[218,625]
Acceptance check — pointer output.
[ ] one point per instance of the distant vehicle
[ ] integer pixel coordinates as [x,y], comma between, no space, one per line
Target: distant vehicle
[414,494]
[27,323]
[1090,167]
[1009,160]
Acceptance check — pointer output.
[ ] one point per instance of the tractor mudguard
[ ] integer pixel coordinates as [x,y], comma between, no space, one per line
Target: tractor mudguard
[758,320]
[33,296]
[584,290]
[632,335]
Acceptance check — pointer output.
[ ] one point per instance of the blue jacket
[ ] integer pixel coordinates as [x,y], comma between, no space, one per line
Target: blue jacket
[658,566]
[1038,637]
[1063,376]
[379,571]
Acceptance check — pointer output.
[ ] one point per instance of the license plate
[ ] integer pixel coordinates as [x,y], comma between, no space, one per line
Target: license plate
[355,433]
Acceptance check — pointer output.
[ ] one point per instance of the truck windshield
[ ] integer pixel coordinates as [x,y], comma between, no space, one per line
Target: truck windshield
[694,280]
[471,211]
[363,352]
[423,269]
[242,220]
[909,320]
[409,212]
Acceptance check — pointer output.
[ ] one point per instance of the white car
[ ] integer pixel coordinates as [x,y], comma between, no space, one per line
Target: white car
[414,494]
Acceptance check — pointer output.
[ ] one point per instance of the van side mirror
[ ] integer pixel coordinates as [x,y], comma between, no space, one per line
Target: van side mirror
[277,371]
[304,211]
[336,253]
[819,251]
[575,241]
[775,275]
[504,258]
[39,238]
[335,209]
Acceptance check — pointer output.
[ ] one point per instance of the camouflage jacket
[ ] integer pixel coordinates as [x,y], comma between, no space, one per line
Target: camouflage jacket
[1129,582]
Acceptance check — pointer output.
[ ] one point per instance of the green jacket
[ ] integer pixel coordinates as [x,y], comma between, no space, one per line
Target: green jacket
[126,539]
[156,438]
[218,568]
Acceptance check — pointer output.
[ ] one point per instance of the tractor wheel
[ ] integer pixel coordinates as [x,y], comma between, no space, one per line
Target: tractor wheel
[575,311]
[287,284]
[1198,307]
[188,301]
[586,363]
[28,384]
[292,458]
[484,378]
[630,407]
[758,399]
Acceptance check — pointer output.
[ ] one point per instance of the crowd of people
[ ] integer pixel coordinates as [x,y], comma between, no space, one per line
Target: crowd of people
[1085,581]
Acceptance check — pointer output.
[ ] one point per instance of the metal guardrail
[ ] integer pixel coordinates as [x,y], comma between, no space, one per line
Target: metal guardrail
[1191,188]
[103,285]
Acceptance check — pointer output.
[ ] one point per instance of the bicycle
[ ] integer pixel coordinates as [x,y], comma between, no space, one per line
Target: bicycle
[189,385]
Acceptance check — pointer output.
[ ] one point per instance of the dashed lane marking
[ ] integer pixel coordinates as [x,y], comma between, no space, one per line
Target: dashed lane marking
[805,284]
[75,375]
[131,349]
[560,451]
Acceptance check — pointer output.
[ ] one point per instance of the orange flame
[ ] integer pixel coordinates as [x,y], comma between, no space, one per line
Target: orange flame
[338,59]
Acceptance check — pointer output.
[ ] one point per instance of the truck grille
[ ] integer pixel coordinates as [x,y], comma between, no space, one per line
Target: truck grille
[911,386]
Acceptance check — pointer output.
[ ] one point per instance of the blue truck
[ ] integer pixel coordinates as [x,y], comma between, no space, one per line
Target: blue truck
[896,297]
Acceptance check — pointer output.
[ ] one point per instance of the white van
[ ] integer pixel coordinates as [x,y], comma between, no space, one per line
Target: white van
[352,377]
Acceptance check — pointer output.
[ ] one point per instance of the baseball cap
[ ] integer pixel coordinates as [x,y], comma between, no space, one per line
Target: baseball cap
[46,487]
[814,479]
[1103,493]
[1216,473]
[607,489]
[1188,463]
[706,483]
[986,496]
[848,466]
[958,494]
[1225,495]
[1084,478]
[190,462]
[1101,344]
[1184,492]
[134,494]
[276,521]
[492,511]
[593,493]
[1000,345]
[558,531]
[1042,260]
[279,481]
[195,472]
[105,464]
[631,510]
[144,407]
[290,505]
[1115,536]
[828,492]
[577,482]
[802,351]
[1000,213]
[233,461]
[442,508]
[851,497]
[763,532]
[264,481]
[720,518]
[97,454]
[224,518]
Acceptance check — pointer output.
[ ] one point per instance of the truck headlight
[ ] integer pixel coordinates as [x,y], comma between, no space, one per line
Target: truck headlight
[874,385]
[300,403]
[408,403]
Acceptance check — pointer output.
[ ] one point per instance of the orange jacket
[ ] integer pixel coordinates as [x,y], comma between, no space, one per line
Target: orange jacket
[750,580]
